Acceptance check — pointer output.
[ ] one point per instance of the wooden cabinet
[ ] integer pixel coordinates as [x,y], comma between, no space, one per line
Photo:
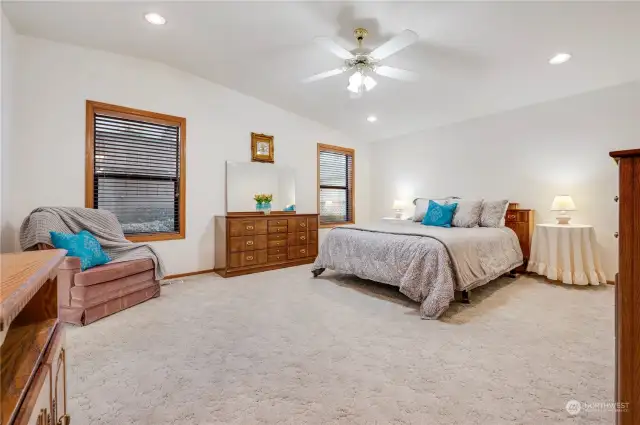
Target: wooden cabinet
[521,222]
[32,355]
[251,243]
[628,289]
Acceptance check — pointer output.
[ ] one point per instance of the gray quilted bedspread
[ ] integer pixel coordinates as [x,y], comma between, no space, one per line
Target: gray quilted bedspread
[427,263]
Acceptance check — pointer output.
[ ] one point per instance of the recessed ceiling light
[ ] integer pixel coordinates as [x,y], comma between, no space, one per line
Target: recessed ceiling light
[559,58]
[155,19]
[372,118]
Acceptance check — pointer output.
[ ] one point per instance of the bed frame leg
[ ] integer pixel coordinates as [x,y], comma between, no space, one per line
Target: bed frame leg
[317,272]
[463,297]
[512,274]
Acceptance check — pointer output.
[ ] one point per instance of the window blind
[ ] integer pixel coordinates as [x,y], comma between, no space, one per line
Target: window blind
[137,173]
[336,186]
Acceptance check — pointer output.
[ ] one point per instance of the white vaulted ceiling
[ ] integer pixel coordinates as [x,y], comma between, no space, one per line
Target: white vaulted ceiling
[474,58]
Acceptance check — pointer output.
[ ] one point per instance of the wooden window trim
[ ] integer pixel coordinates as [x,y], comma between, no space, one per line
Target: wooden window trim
[347,151]
[137,114]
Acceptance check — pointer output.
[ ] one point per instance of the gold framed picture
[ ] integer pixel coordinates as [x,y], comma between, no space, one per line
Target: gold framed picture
[261,148]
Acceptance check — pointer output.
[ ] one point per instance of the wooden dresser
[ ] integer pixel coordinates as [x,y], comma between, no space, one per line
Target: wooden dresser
[521,222]
[251,242]
[32,355]
[628,289]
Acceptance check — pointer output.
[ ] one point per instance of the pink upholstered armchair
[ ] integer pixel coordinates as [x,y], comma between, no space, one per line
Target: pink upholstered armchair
[85,297]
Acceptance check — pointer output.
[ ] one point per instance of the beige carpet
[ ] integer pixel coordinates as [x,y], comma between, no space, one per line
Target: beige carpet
[282,348]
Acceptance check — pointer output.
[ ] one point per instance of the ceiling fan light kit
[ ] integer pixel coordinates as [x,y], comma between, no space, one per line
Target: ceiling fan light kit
[365,62]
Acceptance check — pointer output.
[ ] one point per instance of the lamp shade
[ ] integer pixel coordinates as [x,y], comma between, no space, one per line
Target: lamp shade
[398,205]
[563,203]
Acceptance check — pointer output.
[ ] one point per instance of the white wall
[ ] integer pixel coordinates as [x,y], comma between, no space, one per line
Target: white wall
[7,76]
[527,155]
[53,82]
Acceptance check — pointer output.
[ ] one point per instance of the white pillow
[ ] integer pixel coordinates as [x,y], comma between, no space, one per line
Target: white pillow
[422,204]
[493,213]
[467,214]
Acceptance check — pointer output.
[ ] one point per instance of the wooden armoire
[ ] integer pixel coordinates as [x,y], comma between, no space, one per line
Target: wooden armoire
[628,289]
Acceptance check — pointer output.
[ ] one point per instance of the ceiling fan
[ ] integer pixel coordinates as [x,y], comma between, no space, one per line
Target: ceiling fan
[366,62]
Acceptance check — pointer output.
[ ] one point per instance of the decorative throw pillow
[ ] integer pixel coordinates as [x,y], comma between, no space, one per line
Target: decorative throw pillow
[493,213]
[467,214]
[439,215]
[422,204]
[83,245]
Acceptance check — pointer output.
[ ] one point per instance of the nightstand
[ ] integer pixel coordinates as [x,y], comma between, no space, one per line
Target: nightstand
[566,253]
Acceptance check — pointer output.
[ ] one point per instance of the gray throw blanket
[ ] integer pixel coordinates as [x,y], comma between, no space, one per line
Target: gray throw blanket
[100,223]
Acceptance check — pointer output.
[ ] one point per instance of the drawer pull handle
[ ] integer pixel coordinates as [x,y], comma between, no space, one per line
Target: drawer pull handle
[303,225]
[616,234]
[249,227]
[249,242]
[303,238]
[511,217]
[250,257]
[277,243]
[302,251]
[616,199]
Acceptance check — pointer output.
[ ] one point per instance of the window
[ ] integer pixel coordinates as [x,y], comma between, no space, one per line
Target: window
[135,168]
[335,178]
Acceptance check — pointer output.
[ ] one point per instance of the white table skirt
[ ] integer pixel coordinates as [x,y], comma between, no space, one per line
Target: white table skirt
[568,253]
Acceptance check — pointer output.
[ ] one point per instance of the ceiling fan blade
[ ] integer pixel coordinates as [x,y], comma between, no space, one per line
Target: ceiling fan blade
[396,73]
[334,48]
[397,43]
[326,74]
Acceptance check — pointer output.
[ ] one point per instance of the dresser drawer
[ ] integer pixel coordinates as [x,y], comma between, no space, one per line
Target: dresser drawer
[302,251]
[277,236]
[247,227]
[312,250]
[279,222]
[37,405]
[298,224]
[298,238]
[277,244]
[312,223]
[247,243]
[278,229]
[275,251]
[45,395]
[516,216]
[313,236]
[250,258]
[277,258]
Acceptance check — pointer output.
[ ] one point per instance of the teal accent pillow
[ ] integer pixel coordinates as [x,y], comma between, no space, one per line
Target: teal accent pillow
[439,215]
[83,245]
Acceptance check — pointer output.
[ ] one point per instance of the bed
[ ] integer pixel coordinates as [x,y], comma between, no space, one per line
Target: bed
[428,264]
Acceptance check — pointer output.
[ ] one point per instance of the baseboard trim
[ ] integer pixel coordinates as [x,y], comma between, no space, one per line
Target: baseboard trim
[175,276]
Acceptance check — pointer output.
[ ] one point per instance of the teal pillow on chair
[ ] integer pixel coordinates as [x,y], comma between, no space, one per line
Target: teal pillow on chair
[439,215]
[83,245]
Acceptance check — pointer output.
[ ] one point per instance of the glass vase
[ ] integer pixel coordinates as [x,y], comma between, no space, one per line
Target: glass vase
[266,207]
[259,206]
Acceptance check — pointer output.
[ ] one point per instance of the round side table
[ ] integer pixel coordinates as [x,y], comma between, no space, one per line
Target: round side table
[567,253]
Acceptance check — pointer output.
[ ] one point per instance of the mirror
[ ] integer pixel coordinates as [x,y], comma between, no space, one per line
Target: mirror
[245,179]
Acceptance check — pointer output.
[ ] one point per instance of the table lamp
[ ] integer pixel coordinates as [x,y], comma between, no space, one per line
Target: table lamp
[563,203]
[398,207]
